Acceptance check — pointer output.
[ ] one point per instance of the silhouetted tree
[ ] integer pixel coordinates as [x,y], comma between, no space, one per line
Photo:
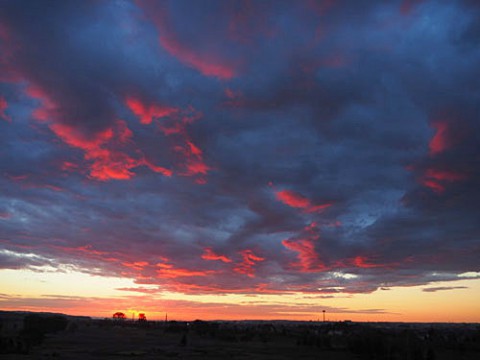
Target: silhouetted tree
[119,316]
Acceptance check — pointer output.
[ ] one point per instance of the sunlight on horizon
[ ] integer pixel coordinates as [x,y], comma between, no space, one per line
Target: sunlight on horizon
[78,293]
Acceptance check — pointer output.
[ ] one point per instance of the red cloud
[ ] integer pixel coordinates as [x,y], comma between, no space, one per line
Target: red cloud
[192,159]
[106,164]
[445,175]
[88,249]
[157,169]
[194,149]
[176,125]
[100,148]
[68,166]
[136,265]
[167,271]
[209,63]
[249,261]
[308,259]
[74,137]
[297,200]
[440,141]
[433,185]
[3,107]
[47,109]
[146,113]
[435,179]
[209,254]
[363,262]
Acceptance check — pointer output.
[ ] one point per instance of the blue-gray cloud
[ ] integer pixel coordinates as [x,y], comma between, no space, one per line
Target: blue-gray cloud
[140,134]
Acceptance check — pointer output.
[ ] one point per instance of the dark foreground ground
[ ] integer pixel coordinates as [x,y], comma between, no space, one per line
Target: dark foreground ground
[107,339]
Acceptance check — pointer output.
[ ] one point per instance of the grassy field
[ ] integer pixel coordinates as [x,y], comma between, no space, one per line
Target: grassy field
[95,342]
[54,337]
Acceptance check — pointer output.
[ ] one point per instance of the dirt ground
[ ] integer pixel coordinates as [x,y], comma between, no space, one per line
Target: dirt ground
[124,342]
[92,340]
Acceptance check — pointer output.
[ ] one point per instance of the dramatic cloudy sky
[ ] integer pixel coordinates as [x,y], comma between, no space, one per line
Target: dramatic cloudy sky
[240,158]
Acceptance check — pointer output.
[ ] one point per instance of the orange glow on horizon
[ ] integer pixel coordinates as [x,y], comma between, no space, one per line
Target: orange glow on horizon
[81,294]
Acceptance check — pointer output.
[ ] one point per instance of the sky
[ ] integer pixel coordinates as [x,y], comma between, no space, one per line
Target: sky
[241,159]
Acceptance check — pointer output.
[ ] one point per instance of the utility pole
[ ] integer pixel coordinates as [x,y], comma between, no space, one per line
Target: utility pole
[323,311]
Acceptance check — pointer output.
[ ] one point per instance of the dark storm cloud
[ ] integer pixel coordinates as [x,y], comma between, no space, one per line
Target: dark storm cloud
[320,146]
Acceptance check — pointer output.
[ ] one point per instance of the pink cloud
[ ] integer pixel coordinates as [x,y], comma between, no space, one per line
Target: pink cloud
[47,109]
[106,164]
[209,254]
[68,166]
[437,180]
[168,271]
[101,149]
[146,113]
[364,262]
[3,107]
[304,246]
[135,265]
[433,185]
[158,169]
[440,141]
[246,267]
[296,200]
[445,175]
[207,62]
[208,65]
[192,160]
[175,125]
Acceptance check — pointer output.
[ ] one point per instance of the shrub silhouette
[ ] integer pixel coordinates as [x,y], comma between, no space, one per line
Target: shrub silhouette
[36,326]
